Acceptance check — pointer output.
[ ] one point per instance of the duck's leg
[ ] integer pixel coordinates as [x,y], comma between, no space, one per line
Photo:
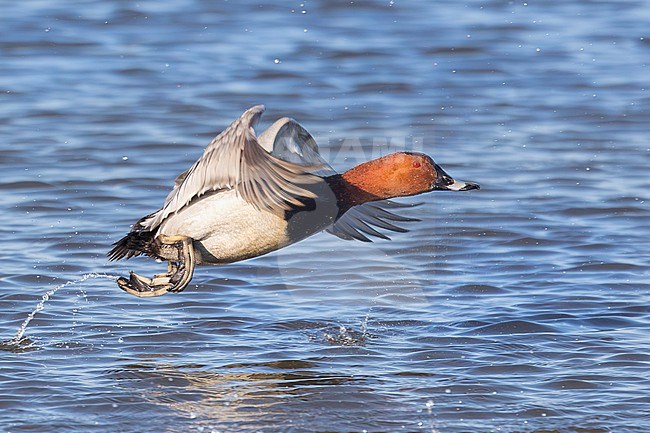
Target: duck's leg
[184,271]
[178,274]
[172,268]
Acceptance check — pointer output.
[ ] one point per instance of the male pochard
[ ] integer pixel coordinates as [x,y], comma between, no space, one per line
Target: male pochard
[247,196]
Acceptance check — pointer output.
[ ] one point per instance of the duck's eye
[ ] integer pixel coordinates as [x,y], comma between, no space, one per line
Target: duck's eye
[416,164]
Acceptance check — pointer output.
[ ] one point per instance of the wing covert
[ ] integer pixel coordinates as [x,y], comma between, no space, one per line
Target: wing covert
[235,160]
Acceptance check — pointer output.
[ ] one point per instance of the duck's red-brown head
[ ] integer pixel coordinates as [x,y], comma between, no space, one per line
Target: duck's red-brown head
[399,174]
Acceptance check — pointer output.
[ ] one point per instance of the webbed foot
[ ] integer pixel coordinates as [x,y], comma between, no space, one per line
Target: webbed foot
[175,280]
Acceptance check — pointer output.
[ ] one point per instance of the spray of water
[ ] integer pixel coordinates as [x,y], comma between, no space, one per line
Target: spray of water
[349,336]
[46,297]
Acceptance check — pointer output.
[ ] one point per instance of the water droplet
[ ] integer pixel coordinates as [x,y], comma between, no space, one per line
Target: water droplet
[276,61]
[46,297]
[125,158]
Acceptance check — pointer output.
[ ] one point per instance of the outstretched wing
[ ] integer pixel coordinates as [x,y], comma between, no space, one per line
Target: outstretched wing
[235,160]
[364,220]
[288,140]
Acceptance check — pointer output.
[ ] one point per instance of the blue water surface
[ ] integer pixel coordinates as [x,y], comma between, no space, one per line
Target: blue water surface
[522,307]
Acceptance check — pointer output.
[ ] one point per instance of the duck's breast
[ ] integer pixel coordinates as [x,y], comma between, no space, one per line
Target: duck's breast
[225,228]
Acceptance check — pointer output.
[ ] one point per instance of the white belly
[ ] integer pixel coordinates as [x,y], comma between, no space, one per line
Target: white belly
[226,229]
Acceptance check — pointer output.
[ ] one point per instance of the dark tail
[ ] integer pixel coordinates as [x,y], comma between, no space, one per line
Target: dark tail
[132,245]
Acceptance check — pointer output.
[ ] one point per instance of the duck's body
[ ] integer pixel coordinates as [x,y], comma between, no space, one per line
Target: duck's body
[225,228]
[247,196]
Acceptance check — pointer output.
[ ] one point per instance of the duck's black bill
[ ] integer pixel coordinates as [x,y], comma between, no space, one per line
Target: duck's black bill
[470,186]
[444,182]
[456,185]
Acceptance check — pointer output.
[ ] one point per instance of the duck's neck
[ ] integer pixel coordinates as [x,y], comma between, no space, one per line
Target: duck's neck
[357,186]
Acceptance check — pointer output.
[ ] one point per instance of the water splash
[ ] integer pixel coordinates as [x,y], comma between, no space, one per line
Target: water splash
[20,334]
[348,336]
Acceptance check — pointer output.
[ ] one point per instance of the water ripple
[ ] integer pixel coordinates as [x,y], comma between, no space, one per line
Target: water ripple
[521,308]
